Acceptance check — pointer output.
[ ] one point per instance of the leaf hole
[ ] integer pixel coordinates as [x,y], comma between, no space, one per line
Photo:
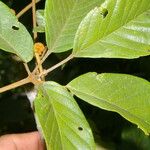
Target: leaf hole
[15,28]
[104,12]
[80,128]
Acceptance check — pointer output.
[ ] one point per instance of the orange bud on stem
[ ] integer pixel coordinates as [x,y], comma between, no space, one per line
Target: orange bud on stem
[39,48]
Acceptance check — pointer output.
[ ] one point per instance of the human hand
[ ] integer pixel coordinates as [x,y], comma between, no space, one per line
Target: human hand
[25,141]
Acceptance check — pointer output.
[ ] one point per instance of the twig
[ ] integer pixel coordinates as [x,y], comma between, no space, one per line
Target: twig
[44,52]
[24,10]
[39,64]
[30,79]
[46,55]
[14,85]
[34,17]
[57,65]
[31,76]
[35,69]
[27,68]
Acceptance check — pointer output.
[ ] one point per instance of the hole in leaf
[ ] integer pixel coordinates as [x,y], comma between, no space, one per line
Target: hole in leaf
[80,128]
[104,12]
[15,28]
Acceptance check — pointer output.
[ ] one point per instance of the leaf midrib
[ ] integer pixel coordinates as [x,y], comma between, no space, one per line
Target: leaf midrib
[59,116]
[6,41]
[62,30]
[110,104]
[55,113]
[111,32]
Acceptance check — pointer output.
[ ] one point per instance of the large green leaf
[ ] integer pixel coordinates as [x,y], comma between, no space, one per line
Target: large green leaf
[117,29]
[62,20]
[125,94]
[63,124]
[14,37]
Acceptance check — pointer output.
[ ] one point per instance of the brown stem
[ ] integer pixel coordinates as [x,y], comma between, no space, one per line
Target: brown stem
[27,68]
[24,10]
[46,55]
[14,85]
[39,64]
[30,79]
[57,65]
[34,17]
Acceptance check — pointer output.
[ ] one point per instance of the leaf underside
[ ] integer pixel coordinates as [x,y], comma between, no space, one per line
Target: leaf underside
[14,37]
[62,20]
[63,125]
[117,29]
[40,21]
[124,94]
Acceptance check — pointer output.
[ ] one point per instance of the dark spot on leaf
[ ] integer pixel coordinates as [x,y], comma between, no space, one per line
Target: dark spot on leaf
[68,90]
[104,12]
[80,128]
[147,14]
[148,50]
[15,28]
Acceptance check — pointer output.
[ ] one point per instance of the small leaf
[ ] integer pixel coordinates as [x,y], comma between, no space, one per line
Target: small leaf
[40,21]
[125,94]
[63,124]
[14,37]
[117,29]
[62,20]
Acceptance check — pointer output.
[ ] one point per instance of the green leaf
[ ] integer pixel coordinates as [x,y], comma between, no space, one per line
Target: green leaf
[125,94]
[62,20]
[14,37]
[118,29]
[63,124]
[39,29]
[40,21]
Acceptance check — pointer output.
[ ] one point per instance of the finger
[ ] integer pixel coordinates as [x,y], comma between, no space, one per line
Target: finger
[26,141]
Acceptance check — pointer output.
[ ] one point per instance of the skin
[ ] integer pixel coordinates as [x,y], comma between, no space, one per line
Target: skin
[25,141]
